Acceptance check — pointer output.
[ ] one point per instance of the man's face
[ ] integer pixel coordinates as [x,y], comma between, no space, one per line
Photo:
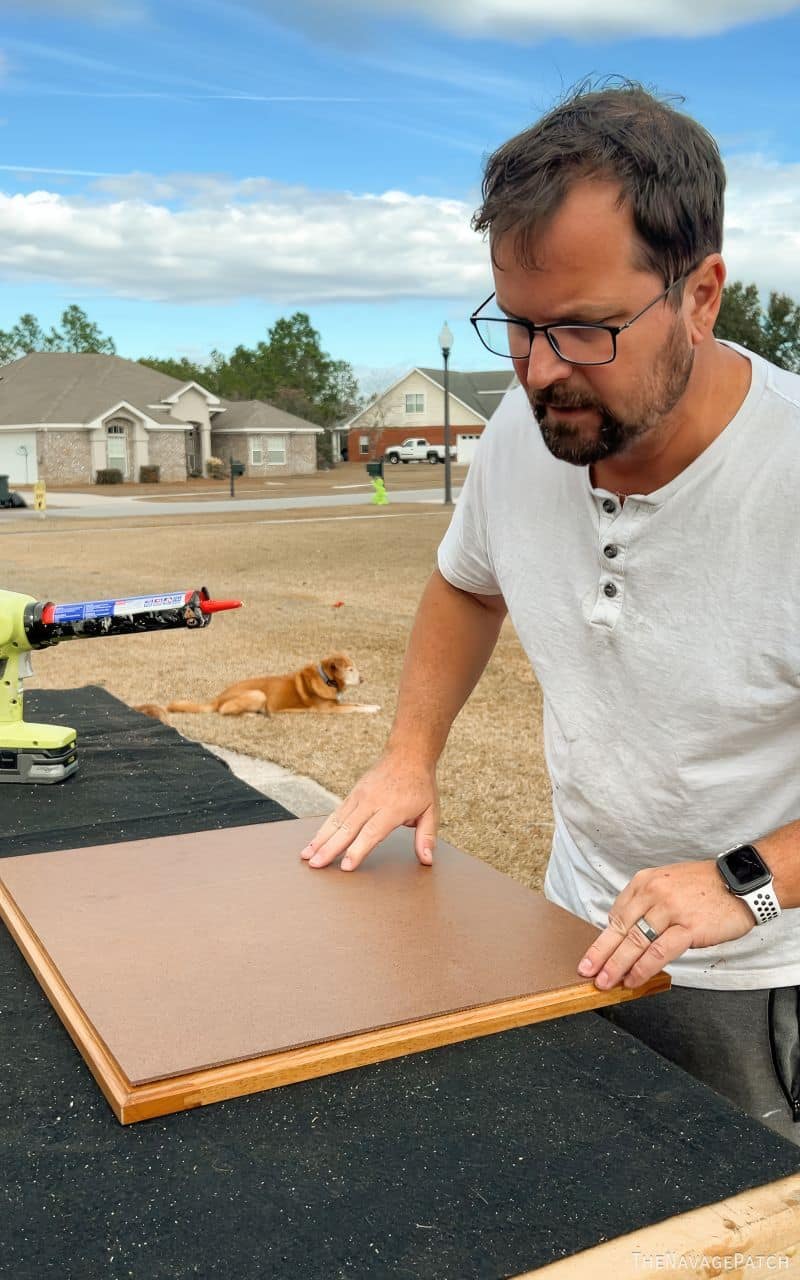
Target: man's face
[586,270]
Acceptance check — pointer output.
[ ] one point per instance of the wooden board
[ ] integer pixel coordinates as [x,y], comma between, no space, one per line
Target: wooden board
[199,967]
[754,1233]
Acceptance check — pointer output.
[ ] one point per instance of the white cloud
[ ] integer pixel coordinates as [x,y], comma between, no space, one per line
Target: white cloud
[23,171]
[203,238]
[539,19]
[762,224]
[516,19]
[268,241]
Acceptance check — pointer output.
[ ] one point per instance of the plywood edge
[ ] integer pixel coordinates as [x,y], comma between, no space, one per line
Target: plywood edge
[754,1233]
[96,1054]
[253,1075]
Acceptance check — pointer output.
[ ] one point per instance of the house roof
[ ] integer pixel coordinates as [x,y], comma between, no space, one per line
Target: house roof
[162,415]
[60,386]
[480,391]
[257,415]
[66,387]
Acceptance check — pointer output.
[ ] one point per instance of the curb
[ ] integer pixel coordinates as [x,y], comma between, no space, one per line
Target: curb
[302,796]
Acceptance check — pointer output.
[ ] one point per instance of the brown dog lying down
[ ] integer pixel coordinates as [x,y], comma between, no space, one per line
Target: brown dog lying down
[316,687]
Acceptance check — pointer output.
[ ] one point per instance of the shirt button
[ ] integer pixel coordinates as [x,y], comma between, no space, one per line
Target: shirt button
[610,589]
[610,551]
[609,505]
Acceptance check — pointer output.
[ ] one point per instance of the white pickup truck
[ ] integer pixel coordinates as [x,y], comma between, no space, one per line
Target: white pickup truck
[417,450]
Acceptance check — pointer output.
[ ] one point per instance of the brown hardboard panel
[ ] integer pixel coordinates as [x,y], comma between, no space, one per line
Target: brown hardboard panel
[182,954]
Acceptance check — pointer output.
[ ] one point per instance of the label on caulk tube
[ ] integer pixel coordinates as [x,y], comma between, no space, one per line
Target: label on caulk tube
[146,604]
[86,610]
[83,611]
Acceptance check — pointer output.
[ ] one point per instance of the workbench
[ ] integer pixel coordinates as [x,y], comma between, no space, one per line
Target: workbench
[489,1158]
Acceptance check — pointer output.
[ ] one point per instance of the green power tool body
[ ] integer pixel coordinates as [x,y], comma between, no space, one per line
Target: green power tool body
[45,752]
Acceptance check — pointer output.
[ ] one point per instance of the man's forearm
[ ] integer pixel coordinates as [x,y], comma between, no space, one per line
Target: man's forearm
[452,639]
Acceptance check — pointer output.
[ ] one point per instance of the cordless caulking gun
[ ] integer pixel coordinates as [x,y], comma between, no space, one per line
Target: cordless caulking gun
[48,753]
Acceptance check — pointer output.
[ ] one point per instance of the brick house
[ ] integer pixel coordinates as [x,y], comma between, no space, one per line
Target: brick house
[414,406]
[64,417]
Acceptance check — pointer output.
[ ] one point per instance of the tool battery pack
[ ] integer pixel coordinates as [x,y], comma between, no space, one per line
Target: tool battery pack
[32,764]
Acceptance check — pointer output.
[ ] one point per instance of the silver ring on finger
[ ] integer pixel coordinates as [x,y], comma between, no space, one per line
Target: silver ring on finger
[644,926]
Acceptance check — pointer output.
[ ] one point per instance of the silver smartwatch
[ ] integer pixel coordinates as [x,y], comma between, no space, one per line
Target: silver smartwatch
[747,875]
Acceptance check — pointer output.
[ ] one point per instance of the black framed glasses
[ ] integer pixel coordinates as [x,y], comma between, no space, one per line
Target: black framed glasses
[578,343]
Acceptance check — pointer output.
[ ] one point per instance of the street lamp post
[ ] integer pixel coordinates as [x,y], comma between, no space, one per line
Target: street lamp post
[446,344]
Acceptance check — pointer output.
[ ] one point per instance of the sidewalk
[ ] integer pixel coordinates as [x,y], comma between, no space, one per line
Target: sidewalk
[91,506]
[301,796]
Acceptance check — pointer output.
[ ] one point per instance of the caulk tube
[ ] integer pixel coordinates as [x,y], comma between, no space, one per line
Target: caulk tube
[38,633]
[47,623]
[91,610]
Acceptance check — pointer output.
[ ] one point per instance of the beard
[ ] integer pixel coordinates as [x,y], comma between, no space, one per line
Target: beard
[655,398]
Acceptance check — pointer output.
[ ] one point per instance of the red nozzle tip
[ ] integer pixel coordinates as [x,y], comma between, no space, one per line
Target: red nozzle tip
[217,606]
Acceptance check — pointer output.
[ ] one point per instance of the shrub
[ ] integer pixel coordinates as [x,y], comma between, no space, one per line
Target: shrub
[149,475]
[111,475]
[215,469]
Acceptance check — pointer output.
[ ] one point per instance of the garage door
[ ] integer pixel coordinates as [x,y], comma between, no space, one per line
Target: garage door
[465,447]
[18,456]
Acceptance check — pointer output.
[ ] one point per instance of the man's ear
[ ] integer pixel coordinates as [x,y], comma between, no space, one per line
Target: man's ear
[702,295]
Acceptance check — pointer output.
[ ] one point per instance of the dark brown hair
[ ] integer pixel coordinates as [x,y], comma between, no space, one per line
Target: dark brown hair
[668,167]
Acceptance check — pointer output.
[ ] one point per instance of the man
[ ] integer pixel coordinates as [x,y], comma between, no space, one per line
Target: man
[640,527]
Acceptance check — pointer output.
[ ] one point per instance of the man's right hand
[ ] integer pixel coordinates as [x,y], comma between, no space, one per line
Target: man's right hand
[397,791]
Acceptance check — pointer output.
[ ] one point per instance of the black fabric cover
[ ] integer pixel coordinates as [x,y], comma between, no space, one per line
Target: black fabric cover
[477,1160]
[136,778]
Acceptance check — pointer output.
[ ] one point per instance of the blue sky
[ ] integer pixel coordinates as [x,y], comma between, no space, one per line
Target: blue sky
[189,171]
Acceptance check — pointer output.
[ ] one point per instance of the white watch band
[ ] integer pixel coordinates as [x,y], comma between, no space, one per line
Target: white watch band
[763,903]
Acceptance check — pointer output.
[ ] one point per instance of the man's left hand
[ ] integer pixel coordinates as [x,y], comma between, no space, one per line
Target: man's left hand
[687,905]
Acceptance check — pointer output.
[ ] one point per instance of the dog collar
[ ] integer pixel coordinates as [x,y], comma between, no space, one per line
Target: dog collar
[331,683]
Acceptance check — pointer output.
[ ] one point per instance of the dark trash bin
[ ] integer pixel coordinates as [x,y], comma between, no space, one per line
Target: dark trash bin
[9,497]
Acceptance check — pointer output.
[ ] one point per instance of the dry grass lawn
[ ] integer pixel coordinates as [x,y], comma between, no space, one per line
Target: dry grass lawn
[291,572]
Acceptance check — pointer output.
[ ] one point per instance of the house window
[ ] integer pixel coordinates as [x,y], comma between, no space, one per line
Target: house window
[276,450]
[117,447]
[415,403]
[363,444]
[256,451]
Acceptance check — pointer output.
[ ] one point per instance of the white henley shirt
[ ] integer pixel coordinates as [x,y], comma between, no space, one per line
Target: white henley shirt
[665,636]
